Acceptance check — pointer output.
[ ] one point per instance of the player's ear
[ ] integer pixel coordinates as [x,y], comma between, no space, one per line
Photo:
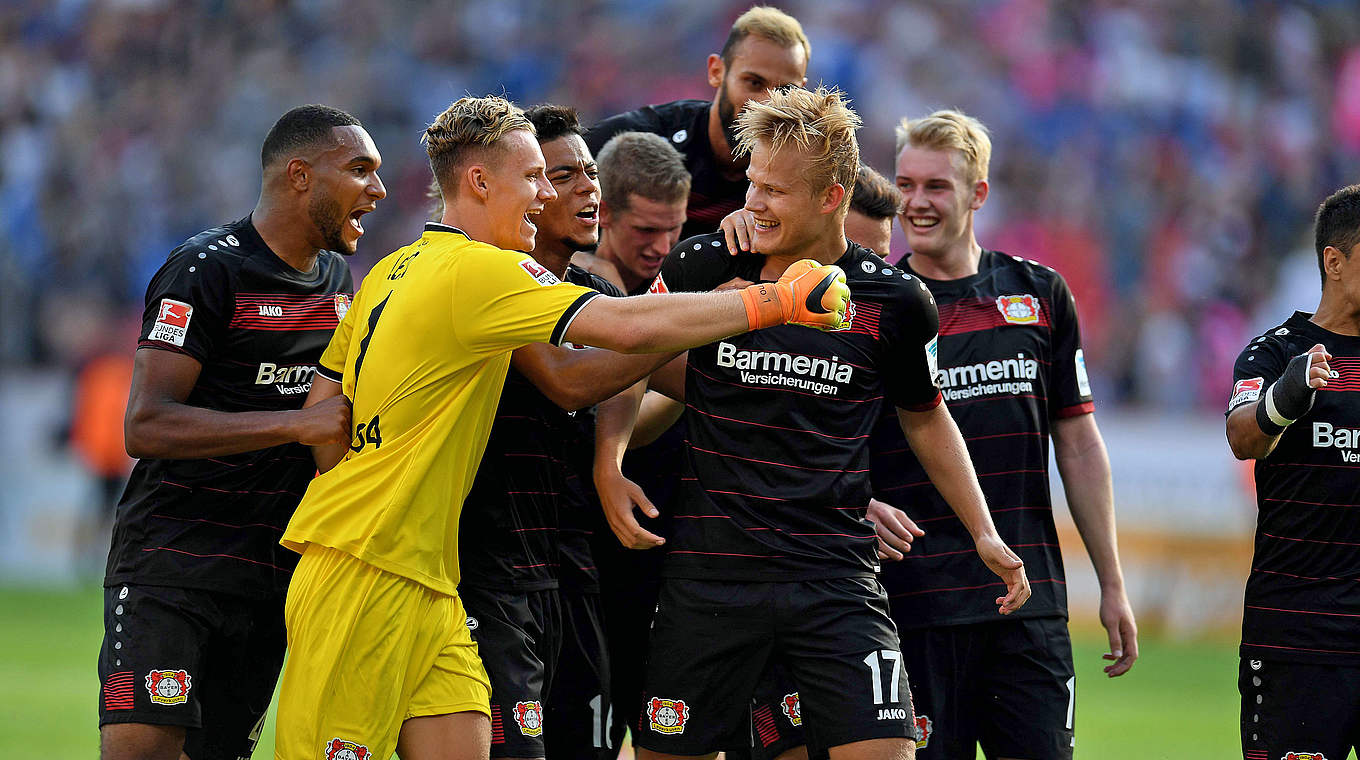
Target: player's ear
[716,70]
[1332,262]
[478,178]
[606,214]
[299,174]
[980,190]
[832,197]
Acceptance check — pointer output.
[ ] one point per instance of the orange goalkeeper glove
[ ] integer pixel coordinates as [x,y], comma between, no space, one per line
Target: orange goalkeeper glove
[807,294]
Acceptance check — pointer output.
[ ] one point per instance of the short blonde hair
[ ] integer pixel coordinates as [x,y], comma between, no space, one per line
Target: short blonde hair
[468,126]
[819,123]
[950,130]
[772,24]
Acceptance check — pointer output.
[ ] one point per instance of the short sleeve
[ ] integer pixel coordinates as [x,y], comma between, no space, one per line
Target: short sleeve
[503,301]
[908,346]
[1260,364]
[332,363]
[1070,394]
[629,121]
[189,305]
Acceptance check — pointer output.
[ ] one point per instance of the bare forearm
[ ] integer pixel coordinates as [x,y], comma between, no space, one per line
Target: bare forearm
[1245,437]
[578,378]
[938,445]
[656,323]
[1084,465]
[171,430]
[655,417]
[614,421]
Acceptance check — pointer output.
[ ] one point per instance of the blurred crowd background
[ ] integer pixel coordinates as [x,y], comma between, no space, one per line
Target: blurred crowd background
[1165,155]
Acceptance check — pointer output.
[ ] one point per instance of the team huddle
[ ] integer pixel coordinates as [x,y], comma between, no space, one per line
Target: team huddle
[641,434]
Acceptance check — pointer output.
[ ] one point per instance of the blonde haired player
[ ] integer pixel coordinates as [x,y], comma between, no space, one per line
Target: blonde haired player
[382,658]
[771,562]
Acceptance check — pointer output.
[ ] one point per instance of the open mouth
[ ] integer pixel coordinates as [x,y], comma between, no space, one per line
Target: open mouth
[765,225]
[354,222]
[532,212]
[590,214]
[923,222]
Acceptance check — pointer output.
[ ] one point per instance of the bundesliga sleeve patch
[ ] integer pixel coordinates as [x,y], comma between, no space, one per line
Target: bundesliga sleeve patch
[539,272]
[1245,391]
[933,355]
[172,323]
[1083,381]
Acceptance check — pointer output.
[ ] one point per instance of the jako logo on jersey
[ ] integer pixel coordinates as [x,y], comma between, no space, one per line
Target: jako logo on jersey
[892,713]
[271,310]
[529,716]
[793,708]
[1019,310]
[172,322]
[169,687]
[271,373]
[924,728]
[658,286]
[538,272]
[339,749]
[1346,439]
[1246,390]
[668,716]
[342,302]
[1304,756]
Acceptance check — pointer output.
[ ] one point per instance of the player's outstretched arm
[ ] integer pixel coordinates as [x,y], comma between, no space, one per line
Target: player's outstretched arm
[937,443]
[808,294]
[578,378]
[1255,428]
[1084,466]
[160,425]
[614,420]
[327,455]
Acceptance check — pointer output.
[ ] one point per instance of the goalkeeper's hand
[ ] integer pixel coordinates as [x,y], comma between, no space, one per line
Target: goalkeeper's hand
[808,294]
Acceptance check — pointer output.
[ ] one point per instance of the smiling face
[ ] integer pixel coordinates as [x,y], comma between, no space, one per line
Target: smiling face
[788,211]
[517,189]
[570,223]
[345,187]
[940,200]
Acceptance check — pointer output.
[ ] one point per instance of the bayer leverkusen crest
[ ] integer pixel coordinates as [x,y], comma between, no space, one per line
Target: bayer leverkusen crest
[340,749]
[668,716]
[529,716]
[793,708]
[1304,756]
[342,302]
[169,687]
[924,728]
[1019,310]
[849,317]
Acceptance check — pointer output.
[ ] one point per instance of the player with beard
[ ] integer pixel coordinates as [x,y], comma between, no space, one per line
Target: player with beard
[1292,412]
[770,558]
[235,321]
[528,577]
[765,49]
[382,658]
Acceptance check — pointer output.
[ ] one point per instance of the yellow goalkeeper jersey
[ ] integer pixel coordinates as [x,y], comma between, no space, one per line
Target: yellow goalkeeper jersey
[422,354]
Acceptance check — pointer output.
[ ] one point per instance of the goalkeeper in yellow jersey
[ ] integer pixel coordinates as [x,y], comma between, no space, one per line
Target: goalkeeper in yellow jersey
[381,656]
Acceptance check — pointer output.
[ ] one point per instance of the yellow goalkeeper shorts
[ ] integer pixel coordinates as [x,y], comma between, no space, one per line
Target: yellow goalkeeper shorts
[367,650]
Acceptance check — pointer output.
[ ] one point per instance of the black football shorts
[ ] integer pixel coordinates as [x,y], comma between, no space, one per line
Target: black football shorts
[712,642]
[205,660]
[519,635]
[1007,685]
[579,709]
[1298,711]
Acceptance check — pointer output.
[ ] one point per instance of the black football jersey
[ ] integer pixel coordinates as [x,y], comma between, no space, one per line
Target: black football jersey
[257,326]
[776,477]
[1302,599]
[1010,362]
[525,524]
[685,123]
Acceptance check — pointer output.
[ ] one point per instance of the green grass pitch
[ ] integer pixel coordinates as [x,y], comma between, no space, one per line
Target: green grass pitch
[1179,701]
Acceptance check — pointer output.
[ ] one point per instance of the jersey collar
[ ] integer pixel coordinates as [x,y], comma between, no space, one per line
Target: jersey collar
[440,227]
